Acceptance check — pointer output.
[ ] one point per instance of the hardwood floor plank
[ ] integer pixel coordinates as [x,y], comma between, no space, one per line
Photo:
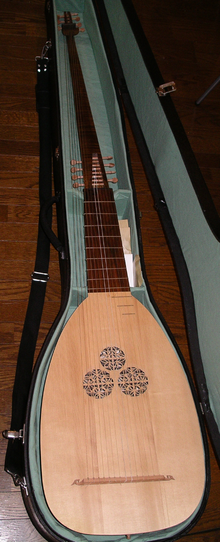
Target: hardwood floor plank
[19,291]
[206,536]
[11,506]
[20,530]
[26,28]
[22,196]
[14,291]
[3,213]
[18,119]
[34,44]
[16,311]
[12,132]
[11,63]
[23,269]
[18,251]
[20,10]
[21,251]
[8,90]
[20,79]
[10,333]
[7,486]
[22,213]
[26,164]
[11,231]
[16,181]
[18,102]
[28,148]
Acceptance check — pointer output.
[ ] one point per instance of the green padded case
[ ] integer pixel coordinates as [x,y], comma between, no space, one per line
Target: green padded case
[170,166]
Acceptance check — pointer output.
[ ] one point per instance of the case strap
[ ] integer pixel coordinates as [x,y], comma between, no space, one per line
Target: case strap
[14,461]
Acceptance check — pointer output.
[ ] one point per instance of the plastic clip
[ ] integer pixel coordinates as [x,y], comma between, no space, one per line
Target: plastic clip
[166,88]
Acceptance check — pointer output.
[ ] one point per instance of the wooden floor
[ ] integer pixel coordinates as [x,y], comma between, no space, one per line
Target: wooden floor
[185,39]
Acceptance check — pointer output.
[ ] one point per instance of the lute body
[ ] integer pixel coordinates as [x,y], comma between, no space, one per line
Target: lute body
[116,436]
[121,448]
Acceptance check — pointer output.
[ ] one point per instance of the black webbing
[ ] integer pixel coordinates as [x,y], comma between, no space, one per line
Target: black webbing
[14,456]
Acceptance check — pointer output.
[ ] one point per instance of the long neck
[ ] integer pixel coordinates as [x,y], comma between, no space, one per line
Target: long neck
[106,269]
[88,141]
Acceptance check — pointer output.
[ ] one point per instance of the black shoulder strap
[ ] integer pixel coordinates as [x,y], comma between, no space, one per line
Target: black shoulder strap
[14,455]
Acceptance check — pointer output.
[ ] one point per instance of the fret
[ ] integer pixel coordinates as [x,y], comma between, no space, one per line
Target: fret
[103,208]
[101,194]
[99,224]
[103,241]
[107,274]
[112,288]
[95,253]
[108,262]
[101,230]
[106,270]
[105,245]
[100,219]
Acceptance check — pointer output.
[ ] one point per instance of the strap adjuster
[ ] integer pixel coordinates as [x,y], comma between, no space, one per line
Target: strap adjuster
[38,276]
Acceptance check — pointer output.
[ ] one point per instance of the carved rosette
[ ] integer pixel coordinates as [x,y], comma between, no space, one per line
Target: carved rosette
[99,384]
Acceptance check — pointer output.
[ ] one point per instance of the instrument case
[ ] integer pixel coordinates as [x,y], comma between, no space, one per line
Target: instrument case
[116,74]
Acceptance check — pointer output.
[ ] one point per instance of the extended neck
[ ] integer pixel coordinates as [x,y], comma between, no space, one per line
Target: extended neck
[88,140]
[106,269]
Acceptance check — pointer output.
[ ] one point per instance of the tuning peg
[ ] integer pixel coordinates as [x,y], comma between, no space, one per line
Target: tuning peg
[74,162]
[110,164]
[107,158]
[110,172]
[78,185]
[74,169]
[76,177]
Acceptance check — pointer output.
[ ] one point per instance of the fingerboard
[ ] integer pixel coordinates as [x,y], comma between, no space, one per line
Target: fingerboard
[106,268]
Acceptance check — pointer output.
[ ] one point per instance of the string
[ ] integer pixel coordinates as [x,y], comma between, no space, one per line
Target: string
[107,290]
[106,278]
[78,235]
[83,150]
